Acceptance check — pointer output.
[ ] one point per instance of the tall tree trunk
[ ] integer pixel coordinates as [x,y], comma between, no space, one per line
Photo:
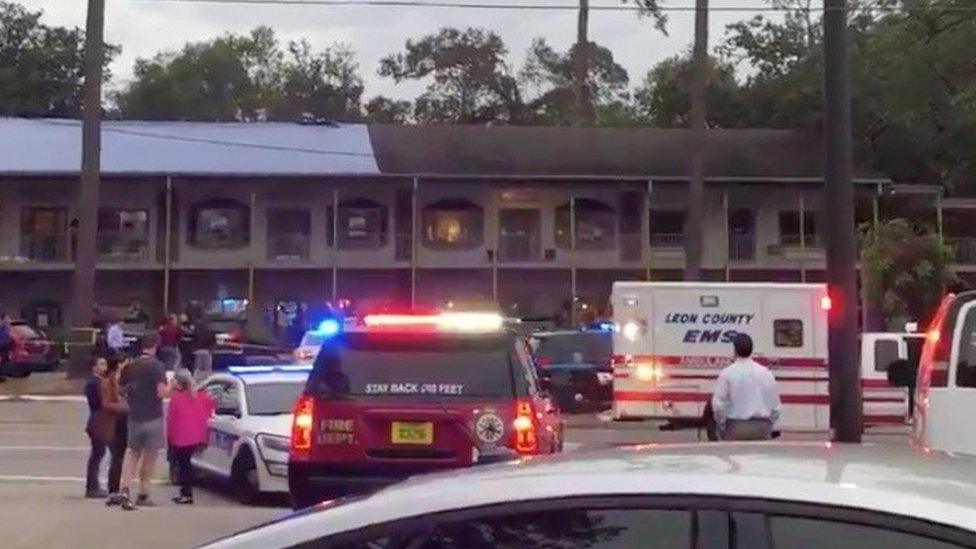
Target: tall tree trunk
[694,231]
[584,100]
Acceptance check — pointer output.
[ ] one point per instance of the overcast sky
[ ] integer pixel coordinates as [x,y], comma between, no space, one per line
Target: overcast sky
[144,27]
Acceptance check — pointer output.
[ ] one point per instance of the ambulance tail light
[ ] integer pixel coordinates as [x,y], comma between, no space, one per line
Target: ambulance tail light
[301,430]
[526,433]
[826,303]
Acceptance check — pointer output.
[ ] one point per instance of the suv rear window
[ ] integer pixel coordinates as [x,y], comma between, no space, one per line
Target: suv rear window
[414,366]
[595,348]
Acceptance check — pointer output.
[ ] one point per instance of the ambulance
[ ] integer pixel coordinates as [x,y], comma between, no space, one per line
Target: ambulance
[672,339]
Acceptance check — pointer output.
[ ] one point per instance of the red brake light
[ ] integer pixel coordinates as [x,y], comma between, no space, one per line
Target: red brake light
[526,438]
[543,361]
[301,430]
[826,303]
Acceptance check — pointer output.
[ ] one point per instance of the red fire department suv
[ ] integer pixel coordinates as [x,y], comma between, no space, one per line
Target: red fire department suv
[408,394]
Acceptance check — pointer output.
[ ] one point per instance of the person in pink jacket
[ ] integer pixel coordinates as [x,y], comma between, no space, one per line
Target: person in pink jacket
[186,427]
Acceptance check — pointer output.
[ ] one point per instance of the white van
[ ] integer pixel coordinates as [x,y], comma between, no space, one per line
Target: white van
[946,381]
[672,339]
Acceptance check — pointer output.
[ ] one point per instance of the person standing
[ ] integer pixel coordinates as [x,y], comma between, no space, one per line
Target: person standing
[186,428]
[104,411]
[6,345]
[203,345]
[112,394]
[170,335]
[143,383]
[115,339]
[746,402]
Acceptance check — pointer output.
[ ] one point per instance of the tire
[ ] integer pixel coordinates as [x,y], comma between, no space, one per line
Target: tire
[244,478]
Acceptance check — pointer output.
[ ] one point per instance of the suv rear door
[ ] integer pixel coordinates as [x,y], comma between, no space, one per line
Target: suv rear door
[411,398]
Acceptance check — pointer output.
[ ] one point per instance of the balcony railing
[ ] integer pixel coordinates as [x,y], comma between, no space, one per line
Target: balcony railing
[289,247]
[667,240]
[963,249]
[45,248]
[793,241]
[121,248]
[519,248]
[742,247]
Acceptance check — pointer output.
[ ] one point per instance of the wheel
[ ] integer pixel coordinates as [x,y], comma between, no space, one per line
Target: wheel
[244,478]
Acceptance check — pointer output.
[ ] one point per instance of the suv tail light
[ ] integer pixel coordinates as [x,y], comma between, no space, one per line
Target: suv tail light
[543,361]
[301,430]
[526,435]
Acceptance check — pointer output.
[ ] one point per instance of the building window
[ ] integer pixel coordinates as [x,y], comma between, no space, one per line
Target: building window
[220,224]
[788,333]
[44,234]
[289,234]
[453,224]
[363,224]
[596,225]
[123,235]
[667,228]
[519,235]
[789,228]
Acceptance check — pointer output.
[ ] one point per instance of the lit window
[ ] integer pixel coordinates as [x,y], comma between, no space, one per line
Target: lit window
[220,224]
[596,225]
[454,224]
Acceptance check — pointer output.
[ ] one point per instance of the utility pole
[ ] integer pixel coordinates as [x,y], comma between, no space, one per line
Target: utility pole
[581,65]
[845,376]
[83,287]
[694,230]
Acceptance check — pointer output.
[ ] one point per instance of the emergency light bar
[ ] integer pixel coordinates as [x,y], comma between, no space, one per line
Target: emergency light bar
[269,369]
[458,321]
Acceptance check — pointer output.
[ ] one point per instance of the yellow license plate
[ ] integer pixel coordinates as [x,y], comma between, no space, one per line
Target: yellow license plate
[412,432]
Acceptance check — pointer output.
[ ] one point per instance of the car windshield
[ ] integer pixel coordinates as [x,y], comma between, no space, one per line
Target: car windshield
[271,399]
[414,367]
[593,348]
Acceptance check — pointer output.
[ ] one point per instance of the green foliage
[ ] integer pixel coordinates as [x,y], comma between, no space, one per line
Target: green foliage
[471,82]
[41,67]
[905,271]
[664,99]
[383,110]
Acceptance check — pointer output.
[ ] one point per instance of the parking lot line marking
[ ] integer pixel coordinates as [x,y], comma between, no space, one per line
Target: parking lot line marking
[572,446]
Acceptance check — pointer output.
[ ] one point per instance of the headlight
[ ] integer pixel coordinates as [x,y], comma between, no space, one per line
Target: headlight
[274,443]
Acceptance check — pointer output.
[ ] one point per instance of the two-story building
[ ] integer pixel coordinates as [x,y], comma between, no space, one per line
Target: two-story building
[528,217]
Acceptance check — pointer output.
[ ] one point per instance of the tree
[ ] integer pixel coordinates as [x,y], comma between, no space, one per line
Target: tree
[327,85]
[905,272]
[555,75]
[41,67]
[233,77]
[664,99]
[383,110]
[471,83]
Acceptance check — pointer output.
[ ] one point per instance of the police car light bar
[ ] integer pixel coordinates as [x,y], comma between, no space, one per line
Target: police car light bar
[460,321]
[269,369]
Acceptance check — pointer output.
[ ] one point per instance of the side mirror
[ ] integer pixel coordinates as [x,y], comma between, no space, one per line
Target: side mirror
[901,374]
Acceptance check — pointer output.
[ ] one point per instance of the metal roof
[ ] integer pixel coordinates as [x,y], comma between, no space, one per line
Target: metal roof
[53,147]
[887,479]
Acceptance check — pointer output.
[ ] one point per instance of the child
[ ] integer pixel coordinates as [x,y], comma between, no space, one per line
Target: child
[186,425]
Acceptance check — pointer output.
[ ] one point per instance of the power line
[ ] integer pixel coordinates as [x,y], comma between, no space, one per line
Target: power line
[452,4]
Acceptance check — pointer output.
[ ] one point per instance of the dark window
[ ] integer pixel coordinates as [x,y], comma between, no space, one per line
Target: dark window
[789,228]
[453,224]
[123,235]
[403,219]
[289,234]
[742,234]
[272,398]
[414,366]
[220,224]
[790,533]
[630,225]
[596,225]
[885,352]
[519,235]
[591,348]
[788,333]
[362,224]
[44,234]
[966,374]
[667,228]
[568,529]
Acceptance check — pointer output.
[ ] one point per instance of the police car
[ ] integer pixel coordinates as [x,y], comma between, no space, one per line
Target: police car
[751,495]
[249,432]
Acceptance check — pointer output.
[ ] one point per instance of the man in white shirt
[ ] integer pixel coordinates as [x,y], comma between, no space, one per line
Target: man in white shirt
[745,403]
[115,339]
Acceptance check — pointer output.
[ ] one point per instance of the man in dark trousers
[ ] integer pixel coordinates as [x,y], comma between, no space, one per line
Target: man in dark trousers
[143,381]
[746,402]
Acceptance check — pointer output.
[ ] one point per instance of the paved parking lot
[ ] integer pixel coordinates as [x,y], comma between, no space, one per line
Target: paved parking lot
[42,458]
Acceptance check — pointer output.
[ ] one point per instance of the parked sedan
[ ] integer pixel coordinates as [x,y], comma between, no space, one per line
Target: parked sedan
[755,495]
[32,351]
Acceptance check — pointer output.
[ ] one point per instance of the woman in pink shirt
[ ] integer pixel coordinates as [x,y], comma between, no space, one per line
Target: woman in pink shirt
[186,428]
